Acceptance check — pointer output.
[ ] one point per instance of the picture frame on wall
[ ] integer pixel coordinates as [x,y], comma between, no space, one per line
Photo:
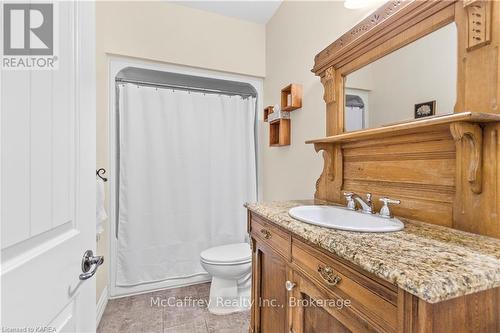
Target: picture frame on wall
[426,109]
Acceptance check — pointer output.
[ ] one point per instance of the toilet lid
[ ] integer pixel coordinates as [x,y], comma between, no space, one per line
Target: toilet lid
[232,253]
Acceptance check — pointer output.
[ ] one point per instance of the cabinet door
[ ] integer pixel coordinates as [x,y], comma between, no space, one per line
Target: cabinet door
[269,311]
[313,311]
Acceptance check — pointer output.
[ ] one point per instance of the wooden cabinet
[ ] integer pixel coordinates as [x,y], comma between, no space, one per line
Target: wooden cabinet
[312,301]
[310,314]
[298,287]
[270,236]
[270,253]
[269,293]
[353,297]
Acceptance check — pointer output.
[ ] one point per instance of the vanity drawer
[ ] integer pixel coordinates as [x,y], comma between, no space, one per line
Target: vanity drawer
[375,300]
[270,235]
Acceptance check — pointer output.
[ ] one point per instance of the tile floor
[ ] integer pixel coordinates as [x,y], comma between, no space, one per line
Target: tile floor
[137,314]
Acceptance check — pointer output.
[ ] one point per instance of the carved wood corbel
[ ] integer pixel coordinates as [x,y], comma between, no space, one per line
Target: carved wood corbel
[328,160]
[328,174]
[328,81]
[473,134]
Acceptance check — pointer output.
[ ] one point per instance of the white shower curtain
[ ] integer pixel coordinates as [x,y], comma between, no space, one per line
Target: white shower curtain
[187,165]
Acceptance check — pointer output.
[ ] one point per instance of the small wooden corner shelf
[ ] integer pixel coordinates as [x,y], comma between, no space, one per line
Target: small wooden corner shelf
[295,91]
[414,126]
[267,111]
[279,122]
[279,133]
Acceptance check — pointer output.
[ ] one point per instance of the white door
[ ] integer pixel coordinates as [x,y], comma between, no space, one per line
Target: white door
[48,184]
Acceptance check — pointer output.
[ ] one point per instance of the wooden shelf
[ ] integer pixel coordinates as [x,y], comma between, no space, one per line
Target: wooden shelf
[267,111]
[280,125]
[279,133]
[295,90]
[414,126]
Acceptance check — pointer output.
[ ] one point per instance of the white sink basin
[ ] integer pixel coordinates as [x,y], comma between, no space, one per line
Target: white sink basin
[344,219]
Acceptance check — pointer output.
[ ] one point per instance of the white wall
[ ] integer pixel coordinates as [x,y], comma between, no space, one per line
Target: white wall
[361,79]
[422,71]
[296,33]
[168,33]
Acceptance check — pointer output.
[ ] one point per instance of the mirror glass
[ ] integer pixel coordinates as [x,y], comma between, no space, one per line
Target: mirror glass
[416,81]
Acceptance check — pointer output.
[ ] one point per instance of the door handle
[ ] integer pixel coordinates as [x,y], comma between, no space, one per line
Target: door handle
[90,263]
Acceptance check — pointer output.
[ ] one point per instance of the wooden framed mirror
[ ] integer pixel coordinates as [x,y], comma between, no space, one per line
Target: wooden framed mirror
[445,169]
[418,80]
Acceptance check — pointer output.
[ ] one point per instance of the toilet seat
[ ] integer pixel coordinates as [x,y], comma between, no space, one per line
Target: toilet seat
[232,254]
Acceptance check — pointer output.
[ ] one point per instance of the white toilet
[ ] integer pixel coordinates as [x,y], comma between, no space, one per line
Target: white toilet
[231,269]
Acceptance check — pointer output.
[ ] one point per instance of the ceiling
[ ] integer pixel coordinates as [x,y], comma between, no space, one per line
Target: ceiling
[255,11]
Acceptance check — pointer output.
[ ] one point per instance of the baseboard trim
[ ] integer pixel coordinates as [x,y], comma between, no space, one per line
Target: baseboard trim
[101,305]
[118,292]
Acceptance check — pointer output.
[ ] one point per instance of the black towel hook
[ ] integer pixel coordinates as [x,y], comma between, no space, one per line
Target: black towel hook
[100,174]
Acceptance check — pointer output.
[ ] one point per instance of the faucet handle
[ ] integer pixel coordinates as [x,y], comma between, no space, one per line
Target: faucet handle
[385,211]
[387,200]
[350,202]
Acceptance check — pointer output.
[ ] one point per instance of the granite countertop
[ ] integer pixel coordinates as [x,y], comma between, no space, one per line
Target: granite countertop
[431,262]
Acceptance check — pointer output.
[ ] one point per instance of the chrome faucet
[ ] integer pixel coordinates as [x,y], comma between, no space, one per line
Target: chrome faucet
[366,205]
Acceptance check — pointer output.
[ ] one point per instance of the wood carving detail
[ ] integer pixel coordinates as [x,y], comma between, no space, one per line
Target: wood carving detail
[329,85]
[473,135]
[478,23]
[328,173]
[379,16]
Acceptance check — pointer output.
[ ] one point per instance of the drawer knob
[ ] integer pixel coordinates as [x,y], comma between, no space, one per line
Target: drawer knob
[289,285]
[328,275]
[266,233]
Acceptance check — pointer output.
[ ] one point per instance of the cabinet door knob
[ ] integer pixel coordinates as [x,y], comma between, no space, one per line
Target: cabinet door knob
[289,285]
[328,275]
[266,233]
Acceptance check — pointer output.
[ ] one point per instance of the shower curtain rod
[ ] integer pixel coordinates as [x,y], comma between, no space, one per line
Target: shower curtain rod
[186,88]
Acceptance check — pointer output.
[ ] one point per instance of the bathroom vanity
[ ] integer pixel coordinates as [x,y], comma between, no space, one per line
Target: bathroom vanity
[435,151]
[425,278]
